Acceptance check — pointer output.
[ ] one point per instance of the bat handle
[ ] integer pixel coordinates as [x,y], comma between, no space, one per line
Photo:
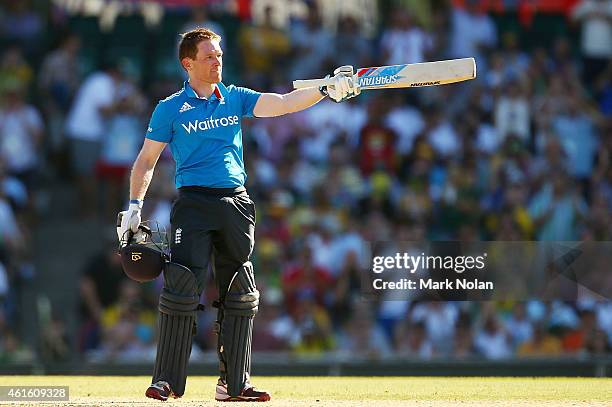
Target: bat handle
[312,83]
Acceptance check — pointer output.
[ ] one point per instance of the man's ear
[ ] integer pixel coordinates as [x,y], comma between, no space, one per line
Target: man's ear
[186,63]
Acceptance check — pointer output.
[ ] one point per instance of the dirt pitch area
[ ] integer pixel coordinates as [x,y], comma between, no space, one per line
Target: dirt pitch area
[126,391]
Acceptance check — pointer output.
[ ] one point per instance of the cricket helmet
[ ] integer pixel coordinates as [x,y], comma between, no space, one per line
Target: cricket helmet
[144,253]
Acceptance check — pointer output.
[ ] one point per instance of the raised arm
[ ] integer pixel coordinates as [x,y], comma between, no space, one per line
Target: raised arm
[345,86]
[274,104]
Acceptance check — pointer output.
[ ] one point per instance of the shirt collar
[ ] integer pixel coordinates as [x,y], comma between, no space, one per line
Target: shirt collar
[192,94]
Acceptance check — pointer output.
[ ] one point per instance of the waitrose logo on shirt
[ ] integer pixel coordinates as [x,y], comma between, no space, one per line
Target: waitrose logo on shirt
[208,124]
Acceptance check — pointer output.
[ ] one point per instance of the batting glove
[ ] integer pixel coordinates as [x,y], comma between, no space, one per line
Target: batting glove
[346,85]
[128,222]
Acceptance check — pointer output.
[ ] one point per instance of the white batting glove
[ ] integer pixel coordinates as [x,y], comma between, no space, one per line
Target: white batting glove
[128,222]
[346,84]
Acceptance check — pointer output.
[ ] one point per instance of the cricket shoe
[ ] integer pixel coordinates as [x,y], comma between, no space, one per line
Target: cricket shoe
[160,390]
[249,393]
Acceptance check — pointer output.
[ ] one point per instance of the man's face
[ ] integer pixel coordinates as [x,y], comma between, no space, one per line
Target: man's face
[208,63]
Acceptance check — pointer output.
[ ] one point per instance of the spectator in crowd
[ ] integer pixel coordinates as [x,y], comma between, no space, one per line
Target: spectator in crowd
[55,345]
[277,228]
[275,330]
[516,60]
[12,350]
[463,341]
[4,286]
[563,316]
[518,326]
[99,288]
[556,209]
[439,319]
[351,48]
[603,310]
[310,43]
[541,344]
[406,121]
[377,142]
[200,17]
[120,142]
[13,239]
[362,336]
[492,340]
[22,24]
[403,42]
[473,33]
[15,192]
[14,69]
[411,341]
[595,17]
[21,134]
[441,133]
[326,244]
[577,340]
[264,50]
[597,343]
[313,329]
[512,113]
[86,127]
[346,290]
[304,278]
[127,325]
[58,81]
[603,91]
[577,133]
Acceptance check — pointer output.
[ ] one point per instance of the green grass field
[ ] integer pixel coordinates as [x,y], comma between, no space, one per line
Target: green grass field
[333,391]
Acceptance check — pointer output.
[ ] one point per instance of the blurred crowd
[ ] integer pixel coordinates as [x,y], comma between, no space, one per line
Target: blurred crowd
[521,153]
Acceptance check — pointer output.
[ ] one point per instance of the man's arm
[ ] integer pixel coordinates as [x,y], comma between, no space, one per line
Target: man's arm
[345,86]
[274,104]
[142,172]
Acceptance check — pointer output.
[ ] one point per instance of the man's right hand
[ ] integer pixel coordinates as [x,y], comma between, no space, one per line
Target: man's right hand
[130,220]
[346,84]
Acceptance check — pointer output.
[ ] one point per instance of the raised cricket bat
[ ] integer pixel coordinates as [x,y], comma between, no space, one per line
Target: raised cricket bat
[407,75]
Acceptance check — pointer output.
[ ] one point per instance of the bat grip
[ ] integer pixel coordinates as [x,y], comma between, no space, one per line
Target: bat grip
[312,83]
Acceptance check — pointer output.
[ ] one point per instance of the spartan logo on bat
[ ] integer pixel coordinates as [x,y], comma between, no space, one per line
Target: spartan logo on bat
[377,80]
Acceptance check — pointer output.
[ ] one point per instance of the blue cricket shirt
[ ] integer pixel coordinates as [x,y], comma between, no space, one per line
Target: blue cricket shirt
[205,135]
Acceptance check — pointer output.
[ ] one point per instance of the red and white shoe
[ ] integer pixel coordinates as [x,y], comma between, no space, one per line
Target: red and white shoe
[160,390]
[249,393]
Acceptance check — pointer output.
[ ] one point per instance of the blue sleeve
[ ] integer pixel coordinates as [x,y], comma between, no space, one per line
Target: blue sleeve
[160,125]
[248,99]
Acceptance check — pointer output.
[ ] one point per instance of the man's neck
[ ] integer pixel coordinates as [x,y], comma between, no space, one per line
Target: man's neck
[202,89]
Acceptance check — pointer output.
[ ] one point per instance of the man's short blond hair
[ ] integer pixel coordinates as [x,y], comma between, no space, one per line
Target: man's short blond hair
[188,45]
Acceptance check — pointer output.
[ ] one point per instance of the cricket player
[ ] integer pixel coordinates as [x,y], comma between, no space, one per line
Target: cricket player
[213,218]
